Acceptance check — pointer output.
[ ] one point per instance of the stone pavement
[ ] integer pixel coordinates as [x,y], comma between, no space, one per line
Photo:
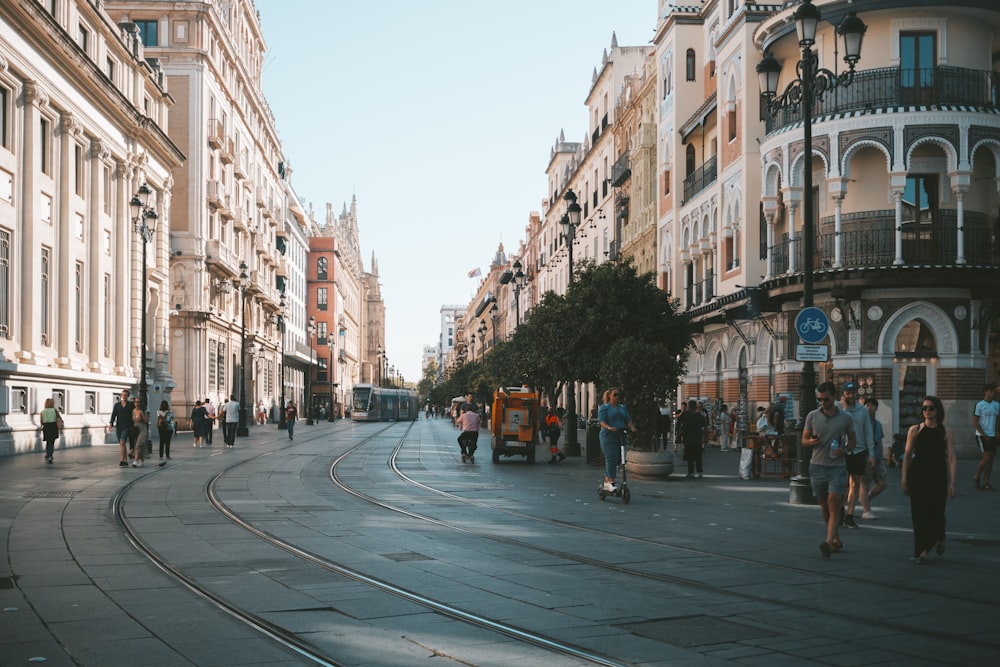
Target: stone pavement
[74,590]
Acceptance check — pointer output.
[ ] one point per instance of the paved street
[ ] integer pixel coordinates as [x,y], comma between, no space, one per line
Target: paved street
[372,544]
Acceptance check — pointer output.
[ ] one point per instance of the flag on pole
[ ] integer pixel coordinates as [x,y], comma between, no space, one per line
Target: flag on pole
[475,273]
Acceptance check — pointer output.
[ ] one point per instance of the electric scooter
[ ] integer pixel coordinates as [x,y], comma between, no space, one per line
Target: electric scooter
[621,489]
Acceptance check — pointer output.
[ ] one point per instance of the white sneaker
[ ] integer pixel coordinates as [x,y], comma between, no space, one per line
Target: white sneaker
[134,464]
[609,486]
[867,515]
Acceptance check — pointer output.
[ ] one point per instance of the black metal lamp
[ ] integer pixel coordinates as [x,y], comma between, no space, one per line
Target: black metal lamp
[144,223]
[311,333]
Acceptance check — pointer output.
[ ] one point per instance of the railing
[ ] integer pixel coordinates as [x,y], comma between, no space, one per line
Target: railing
[868,240]
[895,86]
[621,169]
[700,292]
[702,177]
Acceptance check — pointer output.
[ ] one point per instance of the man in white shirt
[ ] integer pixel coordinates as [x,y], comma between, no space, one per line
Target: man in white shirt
[212,415]
[985,421]
[231,417]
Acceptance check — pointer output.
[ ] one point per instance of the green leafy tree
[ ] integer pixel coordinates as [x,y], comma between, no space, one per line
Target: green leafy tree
[426,384]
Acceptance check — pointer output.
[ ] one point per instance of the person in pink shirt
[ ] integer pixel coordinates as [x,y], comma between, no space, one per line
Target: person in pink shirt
[469,422]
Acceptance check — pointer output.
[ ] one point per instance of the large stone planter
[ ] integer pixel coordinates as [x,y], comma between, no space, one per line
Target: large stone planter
[650,465]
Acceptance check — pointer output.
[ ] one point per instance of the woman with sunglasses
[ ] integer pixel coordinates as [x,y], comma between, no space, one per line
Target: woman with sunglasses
[929,477]
[614,418]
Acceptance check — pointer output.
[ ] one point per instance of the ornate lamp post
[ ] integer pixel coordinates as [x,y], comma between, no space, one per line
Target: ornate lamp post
[241,427]
[329,373]
[494,316]
[472,348]
[570,222]
[378,366]
[282,304]
[310,334]
[812,82]
[519,281]
[144,223]
[482,339]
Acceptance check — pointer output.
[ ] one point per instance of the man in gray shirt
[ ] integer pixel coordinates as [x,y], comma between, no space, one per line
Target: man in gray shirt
[863,453]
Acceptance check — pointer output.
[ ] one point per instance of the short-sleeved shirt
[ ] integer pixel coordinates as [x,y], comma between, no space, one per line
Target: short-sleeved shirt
[469,420]
[862,429]
[827,429]
[987,413]
[231,409]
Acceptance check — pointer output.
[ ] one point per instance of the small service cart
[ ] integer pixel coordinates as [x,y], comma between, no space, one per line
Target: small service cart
[514,422]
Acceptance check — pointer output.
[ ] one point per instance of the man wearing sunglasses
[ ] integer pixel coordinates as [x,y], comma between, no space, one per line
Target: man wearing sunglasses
[861,456]
[829,431]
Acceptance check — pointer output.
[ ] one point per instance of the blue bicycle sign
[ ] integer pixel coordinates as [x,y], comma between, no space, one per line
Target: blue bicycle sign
[812,324]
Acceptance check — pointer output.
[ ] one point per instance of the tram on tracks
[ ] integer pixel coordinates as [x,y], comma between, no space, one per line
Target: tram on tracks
[379,404]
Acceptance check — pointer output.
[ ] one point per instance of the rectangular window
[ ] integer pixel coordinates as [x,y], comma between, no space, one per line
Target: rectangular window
[220,362]
[109,69]
[44,145]
[46,302]
[83,38]
[917,60]
[321,329]
[81,225]
[108,331]
[4,283]
[59,399]
[148,32]
[19,400]
[79,169]
[107,190]
[90,402]
[213,354]
[5,116]
[81,313]
[321,298]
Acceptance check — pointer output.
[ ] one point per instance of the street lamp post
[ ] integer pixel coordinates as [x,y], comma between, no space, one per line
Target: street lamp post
[494,316]
[310,332]
[282,304]
[812,82]
[570,221]
[519,281]
[142,213]
[482,340]
[329,374]
[241,427]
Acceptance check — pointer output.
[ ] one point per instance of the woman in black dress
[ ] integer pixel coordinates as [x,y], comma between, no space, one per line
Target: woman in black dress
[199,423]
[929,477]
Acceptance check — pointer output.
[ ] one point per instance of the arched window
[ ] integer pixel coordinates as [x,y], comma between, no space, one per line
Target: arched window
[321,268]
[690,64]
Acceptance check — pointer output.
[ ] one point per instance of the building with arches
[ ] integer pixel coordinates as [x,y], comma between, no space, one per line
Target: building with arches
[905,166]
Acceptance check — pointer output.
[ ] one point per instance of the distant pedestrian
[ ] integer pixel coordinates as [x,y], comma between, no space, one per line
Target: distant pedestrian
[862,455]
[615,420]
[140,427]
[230,420]
[166,423]
[121,421]
[663,423]
[199,423]
[693,427]
[552,432]
[985,421]
[212,416]
[824,431]
[52,424]
[724,428]
[876,478]
[261,413]
[291,415]
[929,477]
[468,439]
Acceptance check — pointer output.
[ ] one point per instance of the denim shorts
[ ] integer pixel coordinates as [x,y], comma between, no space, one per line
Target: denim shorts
[825,480]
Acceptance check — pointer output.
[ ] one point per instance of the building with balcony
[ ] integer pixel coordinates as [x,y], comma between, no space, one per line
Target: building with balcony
[905,162]
[229,198]
[83,116]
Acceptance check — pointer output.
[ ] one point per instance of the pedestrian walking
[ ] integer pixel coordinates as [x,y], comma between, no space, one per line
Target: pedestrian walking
[261,413]
[140,428]
[929,477]
[231,419]
[468,440]
[663,423]
[199,423]
[121,421]
[552,432]
[614,420]
[724,428]
[291,414]
[693,427]
[862,455]
[212,416]
[824,431]
[876,478]
[166,424]
[985,421]
[52,425]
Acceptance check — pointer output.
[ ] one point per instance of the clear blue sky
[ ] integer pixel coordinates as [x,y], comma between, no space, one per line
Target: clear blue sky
[439,116]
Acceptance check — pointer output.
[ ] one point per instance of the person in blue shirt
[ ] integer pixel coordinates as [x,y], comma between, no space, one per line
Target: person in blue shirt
[876,474]
[614,419]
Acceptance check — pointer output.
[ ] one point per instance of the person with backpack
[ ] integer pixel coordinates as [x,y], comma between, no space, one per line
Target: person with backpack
[166,424]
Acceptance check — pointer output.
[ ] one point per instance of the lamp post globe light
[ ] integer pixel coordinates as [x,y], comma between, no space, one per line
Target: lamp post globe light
[310,332]
[144,223]
[241,427]
[282,304]
[811,83]
[519,281]
[570,222]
